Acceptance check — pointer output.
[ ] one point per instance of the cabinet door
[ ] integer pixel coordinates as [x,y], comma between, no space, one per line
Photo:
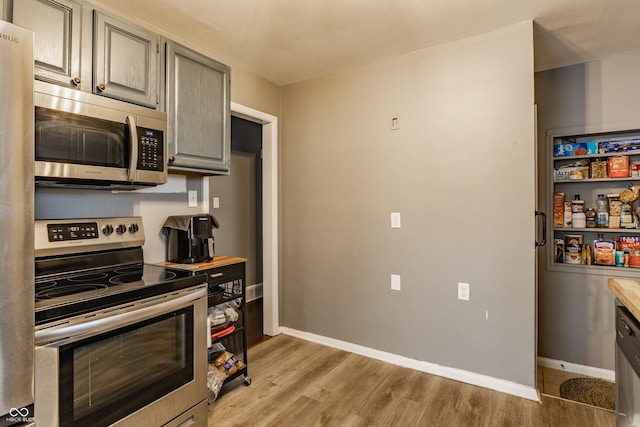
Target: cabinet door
[198,109]
[125,61]
[57,27]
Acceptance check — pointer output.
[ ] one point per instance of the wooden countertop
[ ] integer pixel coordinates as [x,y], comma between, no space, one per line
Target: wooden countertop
[217,261]
[628,292]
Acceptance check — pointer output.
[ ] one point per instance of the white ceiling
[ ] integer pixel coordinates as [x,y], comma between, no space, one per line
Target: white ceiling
[288,41]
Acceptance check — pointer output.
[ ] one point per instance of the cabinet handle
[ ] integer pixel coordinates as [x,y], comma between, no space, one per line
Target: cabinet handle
[213,276]
[172,159]
[101,87]
[76,81]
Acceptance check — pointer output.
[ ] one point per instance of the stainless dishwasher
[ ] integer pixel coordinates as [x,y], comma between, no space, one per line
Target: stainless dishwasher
[627,368]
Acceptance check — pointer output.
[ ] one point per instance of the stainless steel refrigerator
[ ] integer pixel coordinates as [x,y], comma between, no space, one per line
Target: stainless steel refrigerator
[16,225]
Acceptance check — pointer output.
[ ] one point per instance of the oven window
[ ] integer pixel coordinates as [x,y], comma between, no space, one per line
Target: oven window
[71,138]
[105,378]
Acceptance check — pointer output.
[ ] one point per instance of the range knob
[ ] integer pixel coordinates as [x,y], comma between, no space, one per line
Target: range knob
[120,229]
[133,228]
[107,229]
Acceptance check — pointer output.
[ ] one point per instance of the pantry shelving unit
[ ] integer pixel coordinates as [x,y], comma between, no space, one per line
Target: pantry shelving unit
[588,190]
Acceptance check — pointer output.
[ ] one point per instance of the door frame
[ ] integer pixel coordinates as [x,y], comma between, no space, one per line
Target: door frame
[270,285]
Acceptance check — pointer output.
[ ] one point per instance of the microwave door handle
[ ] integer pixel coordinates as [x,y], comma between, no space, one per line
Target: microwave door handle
[133,147]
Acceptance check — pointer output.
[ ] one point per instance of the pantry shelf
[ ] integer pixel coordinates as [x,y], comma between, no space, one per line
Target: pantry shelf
[598,156]
[598,230]
[586,180]
[601,270]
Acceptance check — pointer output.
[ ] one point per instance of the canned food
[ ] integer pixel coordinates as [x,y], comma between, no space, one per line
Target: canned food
[573,248]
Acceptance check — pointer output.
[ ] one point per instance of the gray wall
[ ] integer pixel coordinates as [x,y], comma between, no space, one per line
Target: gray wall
[54,203]
[576,310]
[460,170]
[236,214]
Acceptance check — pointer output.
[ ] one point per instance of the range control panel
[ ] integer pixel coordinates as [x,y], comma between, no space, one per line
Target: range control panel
[59,232]
[67,236]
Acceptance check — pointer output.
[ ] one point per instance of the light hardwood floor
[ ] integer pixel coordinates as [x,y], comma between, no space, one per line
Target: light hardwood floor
[298,383]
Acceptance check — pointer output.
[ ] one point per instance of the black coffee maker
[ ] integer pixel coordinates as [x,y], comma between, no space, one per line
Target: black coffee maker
[189,238]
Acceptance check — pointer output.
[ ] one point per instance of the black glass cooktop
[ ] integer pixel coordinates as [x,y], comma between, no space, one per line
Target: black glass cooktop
[68,294]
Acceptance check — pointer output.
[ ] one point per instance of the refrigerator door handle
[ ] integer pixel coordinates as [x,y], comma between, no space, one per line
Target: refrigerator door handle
[544,229]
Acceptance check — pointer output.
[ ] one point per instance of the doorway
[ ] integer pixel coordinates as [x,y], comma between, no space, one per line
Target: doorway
[237,205]
[269,226]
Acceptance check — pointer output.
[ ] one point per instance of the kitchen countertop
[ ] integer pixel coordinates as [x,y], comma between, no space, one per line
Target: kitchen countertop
[217,261]
[628,292]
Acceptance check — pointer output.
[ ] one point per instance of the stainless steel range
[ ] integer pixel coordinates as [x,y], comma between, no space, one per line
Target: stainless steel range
[118,342]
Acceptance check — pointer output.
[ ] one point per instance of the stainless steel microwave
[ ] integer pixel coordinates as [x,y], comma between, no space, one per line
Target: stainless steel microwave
[83,139]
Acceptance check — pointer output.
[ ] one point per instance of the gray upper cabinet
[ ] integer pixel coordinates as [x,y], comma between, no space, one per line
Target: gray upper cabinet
[126,61]
[77,46]
[198,108]
[57,26]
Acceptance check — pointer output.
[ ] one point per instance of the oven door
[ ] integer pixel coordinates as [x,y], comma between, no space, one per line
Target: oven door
[137,365]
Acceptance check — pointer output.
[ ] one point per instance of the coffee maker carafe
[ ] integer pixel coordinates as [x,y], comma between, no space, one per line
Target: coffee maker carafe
[190,238]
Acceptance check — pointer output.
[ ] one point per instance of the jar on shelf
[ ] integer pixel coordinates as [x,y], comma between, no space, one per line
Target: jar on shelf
[592,218]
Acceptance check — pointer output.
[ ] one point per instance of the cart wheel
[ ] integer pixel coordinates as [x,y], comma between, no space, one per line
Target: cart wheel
[247,381]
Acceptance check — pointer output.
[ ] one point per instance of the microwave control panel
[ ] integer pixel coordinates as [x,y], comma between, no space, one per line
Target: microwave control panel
[150,149]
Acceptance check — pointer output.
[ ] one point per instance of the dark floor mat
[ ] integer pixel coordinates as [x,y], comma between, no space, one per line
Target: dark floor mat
[592,391]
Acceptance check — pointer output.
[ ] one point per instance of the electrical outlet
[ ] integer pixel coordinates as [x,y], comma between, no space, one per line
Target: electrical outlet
[193,199]
[463,291]
[395,282]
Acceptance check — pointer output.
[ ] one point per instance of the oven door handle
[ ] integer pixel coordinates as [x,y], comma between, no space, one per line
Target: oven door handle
[110,321]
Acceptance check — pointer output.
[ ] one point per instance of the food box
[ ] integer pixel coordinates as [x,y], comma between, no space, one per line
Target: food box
[576,172]
[567,214]
[559,250]
[631,245]
[604,252]
[619,146]
[619,167]
[598,169]
[558,209]
[615,210]
[565,149]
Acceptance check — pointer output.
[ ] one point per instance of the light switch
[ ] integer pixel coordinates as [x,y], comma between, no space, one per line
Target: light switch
[216,202]
[395,282]
[395,220]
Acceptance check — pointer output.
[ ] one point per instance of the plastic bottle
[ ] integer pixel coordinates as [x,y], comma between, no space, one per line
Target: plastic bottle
[619,253]
[602,211]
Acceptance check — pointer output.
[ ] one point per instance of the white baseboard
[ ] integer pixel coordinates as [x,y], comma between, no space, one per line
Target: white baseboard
[253,292]
[561,365]
[468,377]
